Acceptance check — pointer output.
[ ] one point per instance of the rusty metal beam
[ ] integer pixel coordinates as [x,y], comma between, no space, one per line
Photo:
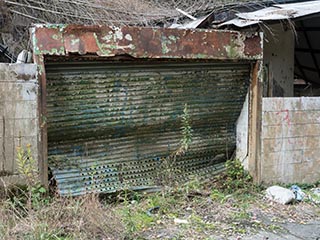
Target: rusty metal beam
[255,115]
[43,141]
[145,42]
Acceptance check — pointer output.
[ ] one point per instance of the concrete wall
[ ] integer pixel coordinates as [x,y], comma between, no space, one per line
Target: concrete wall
[18,116]
[278,60]
[290,140]
[242,134]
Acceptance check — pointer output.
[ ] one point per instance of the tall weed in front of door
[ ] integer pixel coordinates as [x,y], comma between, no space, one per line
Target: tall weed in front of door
[169,170]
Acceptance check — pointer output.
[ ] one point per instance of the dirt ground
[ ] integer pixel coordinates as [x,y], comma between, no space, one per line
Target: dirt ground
[213,209]
[240,217]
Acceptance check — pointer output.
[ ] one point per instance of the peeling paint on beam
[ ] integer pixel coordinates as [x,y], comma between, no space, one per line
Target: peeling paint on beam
[62,40]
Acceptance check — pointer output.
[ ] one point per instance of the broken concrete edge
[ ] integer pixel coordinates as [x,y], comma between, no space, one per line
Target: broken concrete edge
[138,42]
[20,71]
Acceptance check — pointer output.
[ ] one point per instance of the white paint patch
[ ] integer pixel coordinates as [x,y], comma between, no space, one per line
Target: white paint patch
[75,41]
[118,34]
[242,134]
[130,46]
[128,37]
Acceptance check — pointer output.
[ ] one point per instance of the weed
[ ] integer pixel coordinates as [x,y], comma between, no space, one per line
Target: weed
[193,184]
[135,219]
[27,167]
[200,224]
[274,228]
[186,131]
[241,215]
[236,178]
[216,195]
[168,172]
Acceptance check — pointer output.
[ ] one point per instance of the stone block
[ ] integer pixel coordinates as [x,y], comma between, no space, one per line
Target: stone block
[311,155]
[272,104]
[271,119]
[312,142]
[21,109]
[12,180]
[280,194]
[271,145]
[26,127]
[310,103]
[273,132]
[9,149]
[283,144]
[292,104]
[8,126]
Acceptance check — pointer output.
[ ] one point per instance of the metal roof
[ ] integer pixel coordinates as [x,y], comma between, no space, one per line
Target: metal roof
[276,12]
[307,52]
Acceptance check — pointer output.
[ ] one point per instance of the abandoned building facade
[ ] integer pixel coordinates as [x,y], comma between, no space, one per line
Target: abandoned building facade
[101,106]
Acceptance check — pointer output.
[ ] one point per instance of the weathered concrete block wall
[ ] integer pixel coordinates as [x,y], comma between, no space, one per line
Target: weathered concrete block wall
[290,138]
[18,115]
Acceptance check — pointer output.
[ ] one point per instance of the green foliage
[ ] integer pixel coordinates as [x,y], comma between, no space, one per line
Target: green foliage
[186,129]
[27,167]
[168,170]
[37,196]
[192,185]
[219,196]
[236,177]
[134,218]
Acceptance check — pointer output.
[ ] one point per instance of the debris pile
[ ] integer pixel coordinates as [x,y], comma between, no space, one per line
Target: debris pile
[294,194]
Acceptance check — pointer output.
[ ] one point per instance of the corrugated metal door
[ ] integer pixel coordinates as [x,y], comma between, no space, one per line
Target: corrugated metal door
[110,125]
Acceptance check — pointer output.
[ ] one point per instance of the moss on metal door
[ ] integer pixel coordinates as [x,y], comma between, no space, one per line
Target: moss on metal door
[111,125]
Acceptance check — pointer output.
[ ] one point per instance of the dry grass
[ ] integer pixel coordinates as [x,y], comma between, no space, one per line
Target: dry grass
[61,218]
[209,208]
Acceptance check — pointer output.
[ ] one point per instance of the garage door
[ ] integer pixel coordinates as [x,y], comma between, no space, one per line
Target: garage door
[111,125]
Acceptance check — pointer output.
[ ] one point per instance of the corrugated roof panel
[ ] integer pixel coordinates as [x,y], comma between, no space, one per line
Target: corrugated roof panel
[276,12]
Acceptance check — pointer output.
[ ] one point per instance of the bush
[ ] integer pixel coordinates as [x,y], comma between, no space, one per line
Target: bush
[236,177]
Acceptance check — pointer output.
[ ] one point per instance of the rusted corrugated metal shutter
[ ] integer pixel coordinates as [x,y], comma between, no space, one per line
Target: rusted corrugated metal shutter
[111,124]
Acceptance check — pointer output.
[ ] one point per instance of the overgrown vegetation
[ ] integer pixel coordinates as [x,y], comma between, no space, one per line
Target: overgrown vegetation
[227,206]
[27,167]
[168,171]
[236,178]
